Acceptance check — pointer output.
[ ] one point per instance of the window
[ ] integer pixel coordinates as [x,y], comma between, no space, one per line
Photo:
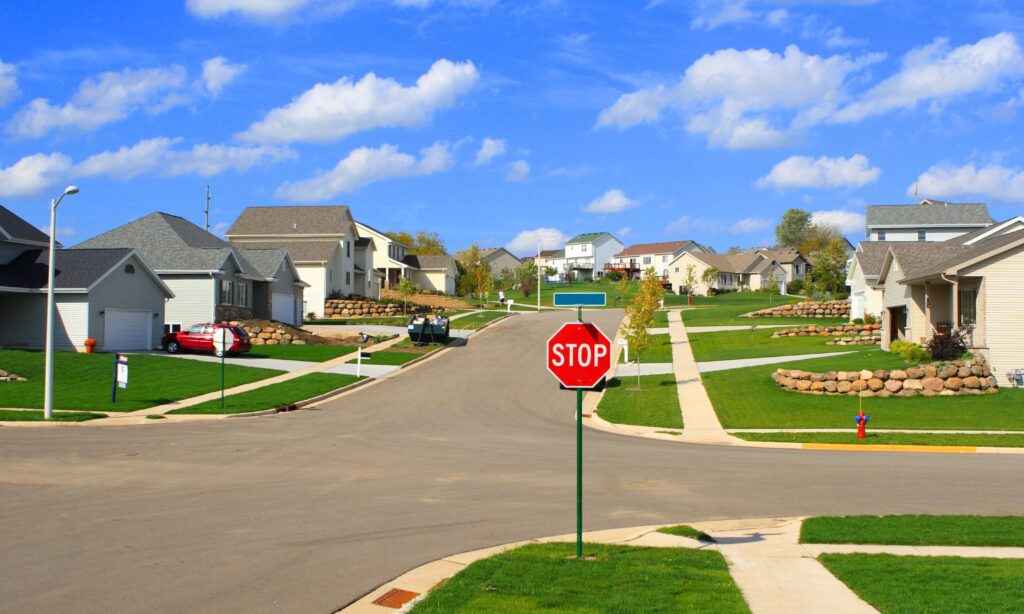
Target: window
[348,249]
[348,278]
[242,294]
[195,330]
[225,292]
[174,327]
[647,259]
[921,235]
[881,235]
[677,269]
[129,269]
[968,307]
[664,258]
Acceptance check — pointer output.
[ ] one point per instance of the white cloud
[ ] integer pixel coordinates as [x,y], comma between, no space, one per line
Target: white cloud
[364,166]
[490,149]
[158,156]
[328,112]
[8,83]
[750,224]
[846,221]
[260,10]
[64,232]
[936,73]
[109,98]
[624,232]
[518,170]
[33,174]
[716,13]
[703,225]
[218,72]
[824,172]
[526,242]
[992,181]
[612,201]
[639,107]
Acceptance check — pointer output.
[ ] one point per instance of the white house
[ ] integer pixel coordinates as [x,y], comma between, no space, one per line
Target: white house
[433,273]
[587,254]
[862,278]
[636,259]
[744,271]
[388,255]
[929,220]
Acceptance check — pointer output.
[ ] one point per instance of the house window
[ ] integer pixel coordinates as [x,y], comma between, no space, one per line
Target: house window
[677,269]
[881,235]
[172,327]
[664,258]
[129,269]
[921,235]
[242,295]
[348,278]
[647,259]
[225,292]
[968,307]
[348,249]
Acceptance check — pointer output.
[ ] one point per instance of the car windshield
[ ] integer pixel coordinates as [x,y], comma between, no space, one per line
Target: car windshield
[195,330]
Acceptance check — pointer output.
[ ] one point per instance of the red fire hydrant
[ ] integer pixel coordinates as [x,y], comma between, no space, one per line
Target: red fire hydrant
[862,423]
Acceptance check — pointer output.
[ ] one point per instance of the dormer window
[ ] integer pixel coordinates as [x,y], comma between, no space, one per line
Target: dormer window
[129,269]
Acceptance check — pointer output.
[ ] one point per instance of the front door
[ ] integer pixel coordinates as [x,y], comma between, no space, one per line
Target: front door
[897,323]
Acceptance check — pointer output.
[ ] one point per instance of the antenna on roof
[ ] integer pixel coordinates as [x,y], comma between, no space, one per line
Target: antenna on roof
[915,189]
[207,207]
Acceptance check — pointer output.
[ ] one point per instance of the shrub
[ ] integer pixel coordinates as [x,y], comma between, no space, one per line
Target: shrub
[795,287]
[910,352]
[614,275]
[335,295]
[950,346]
[712,292]
[870,318]
[857,321]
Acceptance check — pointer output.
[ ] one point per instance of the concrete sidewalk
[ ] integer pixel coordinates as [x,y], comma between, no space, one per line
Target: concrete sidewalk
[700,423]
[739,363]
[277,364]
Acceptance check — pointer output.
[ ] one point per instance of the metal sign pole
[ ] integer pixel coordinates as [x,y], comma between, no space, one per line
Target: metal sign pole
[223,352]
[113,390]
[579,460]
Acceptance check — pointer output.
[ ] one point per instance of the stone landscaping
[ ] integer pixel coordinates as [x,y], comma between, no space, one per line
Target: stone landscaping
[959,377]
[437,301]
[366,308]
[850,334]
[265,332]
[7,376]
[824,309]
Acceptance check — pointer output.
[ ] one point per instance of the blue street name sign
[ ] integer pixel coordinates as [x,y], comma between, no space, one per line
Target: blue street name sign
[580,299]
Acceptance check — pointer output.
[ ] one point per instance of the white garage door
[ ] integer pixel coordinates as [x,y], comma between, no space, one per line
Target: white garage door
[284,308]
[127,329]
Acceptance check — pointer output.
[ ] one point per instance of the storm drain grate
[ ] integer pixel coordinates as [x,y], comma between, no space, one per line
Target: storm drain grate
[395,598]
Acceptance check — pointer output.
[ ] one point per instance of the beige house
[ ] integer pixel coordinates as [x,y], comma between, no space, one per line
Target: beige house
[433,273]
[635,259]
[388,255]
[749,271]
[971,282]
[792,261]
[498,258]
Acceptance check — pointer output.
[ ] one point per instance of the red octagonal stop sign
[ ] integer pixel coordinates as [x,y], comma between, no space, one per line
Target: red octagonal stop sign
[579,355]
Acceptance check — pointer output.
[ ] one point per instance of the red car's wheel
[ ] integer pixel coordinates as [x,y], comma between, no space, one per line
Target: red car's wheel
[173,347]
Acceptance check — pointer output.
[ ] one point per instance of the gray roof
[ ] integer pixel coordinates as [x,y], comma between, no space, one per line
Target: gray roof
[14,228]
[928,213]
[733,263]
[429,262]
[870,255]
[935,258]
[301,251]
[317,220]
[265,261]
[171,243]
[785,255]
[76,269]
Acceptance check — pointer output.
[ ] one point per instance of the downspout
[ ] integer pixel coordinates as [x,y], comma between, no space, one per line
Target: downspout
[953,302]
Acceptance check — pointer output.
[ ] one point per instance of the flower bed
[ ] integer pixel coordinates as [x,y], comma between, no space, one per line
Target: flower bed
[956,378]
[824,309]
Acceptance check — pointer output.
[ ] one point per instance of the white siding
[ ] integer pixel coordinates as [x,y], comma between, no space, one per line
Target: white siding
[193,299]
[1004,330]
[316,276]
[24,320]
[122,290]
[434,281]
[934,233]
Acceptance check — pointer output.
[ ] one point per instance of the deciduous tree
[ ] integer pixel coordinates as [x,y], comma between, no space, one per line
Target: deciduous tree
[792,231]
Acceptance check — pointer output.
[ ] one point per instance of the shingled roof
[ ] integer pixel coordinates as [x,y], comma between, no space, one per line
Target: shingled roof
[13,228]
[665,247]
[301,251]
[74,270]
[429,262]
[920,260]
[928,213]
[303,220]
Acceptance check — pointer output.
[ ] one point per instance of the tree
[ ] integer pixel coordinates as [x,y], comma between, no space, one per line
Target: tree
[690,279]
[468,265]
[818,237]
[641,316]
[402,237]
[794,228]
[429,244]
[526,275]
[406,288]
[709,276]
[829,271]
[734,249]
[483,281]
[622,287]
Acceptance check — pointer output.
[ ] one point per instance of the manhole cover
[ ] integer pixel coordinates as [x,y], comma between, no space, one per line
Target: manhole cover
[395,598]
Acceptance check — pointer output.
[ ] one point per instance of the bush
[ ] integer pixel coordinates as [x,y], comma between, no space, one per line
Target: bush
[910,352]
[857,321]
[336,295]
[870,318]
[712,292]
[614,275]
[948,347]
[795,287]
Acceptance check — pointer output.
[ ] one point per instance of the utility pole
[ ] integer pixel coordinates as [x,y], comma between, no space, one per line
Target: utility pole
[537,263]
[207,207]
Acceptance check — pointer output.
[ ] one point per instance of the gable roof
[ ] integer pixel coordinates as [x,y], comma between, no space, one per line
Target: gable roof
[74,270]
[732,263]
[425,263]
[547,253]
[265,261]
[171,243]
[665,247]
[14,228]
[486,253]
[871,254]
[785,255]
[300,220]
[380,233]
[929,213]
[588,237]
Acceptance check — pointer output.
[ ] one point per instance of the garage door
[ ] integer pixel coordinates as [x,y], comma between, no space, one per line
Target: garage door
[127,329]
[284,308]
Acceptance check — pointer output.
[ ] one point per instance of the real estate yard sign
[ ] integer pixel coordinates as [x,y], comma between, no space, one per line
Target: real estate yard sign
[120,375]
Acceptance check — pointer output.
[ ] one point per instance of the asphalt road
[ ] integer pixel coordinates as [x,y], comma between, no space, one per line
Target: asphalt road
[306,512]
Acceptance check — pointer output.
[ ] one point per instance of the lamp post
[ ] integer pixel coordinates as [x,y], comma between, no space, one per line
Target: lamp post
[537,262]
[48,390]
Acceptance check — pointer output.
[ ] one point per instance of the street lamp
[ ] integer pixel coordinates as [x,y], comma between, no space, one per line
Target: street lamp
[48,391]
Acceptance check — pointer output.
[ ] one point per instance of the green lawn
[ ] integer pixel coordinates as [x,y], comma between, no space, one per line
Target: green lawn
[660,351]
[548,578]
[661,319]
[391,321]
[685,530]
[913,530]
[274,395]
[730,345]
[748,398]
[655,404]
[547,292]
[913,584]
[391,358]
[13,415]
[476,320]
[725,309]
[892,439]
[309,353]
[83,381]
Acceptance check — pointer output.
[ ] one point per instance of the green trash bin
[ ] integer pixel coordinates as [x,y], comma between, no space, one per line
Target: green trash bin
[425,330]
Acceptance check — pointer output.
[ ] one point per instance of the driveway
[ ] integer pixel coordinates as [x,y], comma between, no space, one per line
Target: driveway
[306,511]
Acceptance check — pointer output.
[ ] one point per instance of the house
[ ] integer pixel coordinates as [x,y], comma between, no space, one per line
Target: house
[543,260]
[971,282]
[862,278]
[587,253]
[388,255]
[211,279]
[433,273]
[636,259]
[796,265]
[743,271]
[498,258]
[110,295]
[929,220]
[321,241]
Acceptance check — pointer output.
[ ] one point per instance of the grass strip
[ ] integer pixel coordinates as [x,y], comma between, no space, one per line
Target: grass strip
[476,320]
[892,439]
[685,530]
[914,530]
[307,353]
[661,318]
[548,577]
[911,584]
[726,309]
[274,395]
[735,344]
[14,415]
[656,403]
[660,351]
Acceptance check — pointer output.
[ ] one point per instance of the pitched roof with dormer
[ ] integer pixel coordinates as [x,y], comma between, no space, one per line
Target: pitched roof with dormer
[928,213]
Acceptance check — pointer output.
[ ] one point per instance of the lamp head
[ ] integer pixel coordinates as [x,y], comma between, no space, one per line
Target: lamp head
[71,189]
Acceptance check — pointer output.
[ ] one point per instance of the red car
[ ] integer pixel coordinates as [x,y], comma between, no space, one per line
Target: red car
[199,337]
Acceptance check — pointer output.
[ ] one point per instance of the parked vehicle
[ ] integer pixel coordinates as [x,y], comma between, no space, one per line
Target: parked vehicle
[199,338]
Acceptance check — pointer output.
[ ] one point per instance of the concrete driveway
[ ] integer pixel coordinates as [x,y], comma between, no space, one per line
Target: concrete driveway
[305,512]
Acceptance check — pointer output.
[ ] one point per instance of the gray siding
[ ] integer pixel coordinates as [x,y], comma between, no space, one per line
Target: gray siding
[24,320]
[193,299]
[120,290]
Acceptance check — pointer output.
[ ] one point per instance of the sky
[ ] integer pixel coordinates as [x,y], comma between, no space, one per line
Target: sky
[512,123]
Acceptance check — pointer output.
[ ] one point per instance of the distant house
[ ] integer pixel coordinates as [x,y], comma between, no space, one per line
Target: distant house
[433,273]
[587,253]
[388,255]
[110,295]
[498,258]
[796,265]
[929,220]
[970,282]
[862,278]
[212,280]
[744,271]
[543,260]
[635,259]
[322,242]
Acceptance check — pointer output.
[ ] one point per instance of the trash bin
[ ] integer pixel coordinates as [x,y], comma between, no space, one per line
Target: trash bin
[425,330]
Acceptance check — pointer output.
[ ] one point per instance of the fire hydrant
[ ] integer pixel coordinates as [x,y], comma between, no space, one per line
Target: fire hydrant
[862,423]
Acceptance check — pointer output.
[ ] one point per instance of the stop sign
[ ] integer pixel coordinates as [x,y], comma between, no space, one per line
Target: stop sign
[579,355]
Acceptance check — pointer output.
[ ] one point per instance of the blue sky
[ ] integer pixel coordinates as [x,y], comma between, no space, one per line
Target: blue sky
[509,122]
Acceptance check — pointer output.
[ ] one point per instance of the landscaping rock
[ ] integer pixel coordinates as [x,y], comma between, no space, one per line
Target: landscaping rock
[898,375]
[915,373]
[826,309]
[893,385]
[884,383]
[972,382]
[930,371]
[954,383]
[866,375]
[843,387]
[875,384]
[912,384]
[906,392]
[935,384]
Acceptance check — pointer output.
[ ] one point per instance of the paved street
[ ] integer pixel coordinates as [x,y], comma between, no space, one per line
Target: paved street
[309,510]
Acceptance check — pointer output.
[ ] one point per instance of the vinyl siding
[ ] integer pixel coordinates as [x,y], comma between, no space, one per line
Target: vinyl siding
[677,273]
[443,281]
[504,261]
[122,290]
[1004,330]
[24,320]
[932,233]
[316,276]
[193,299]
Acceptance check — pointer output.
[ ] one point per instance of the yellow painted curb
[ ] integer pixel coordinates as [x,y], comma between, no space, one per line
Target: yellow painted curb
[852,447]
